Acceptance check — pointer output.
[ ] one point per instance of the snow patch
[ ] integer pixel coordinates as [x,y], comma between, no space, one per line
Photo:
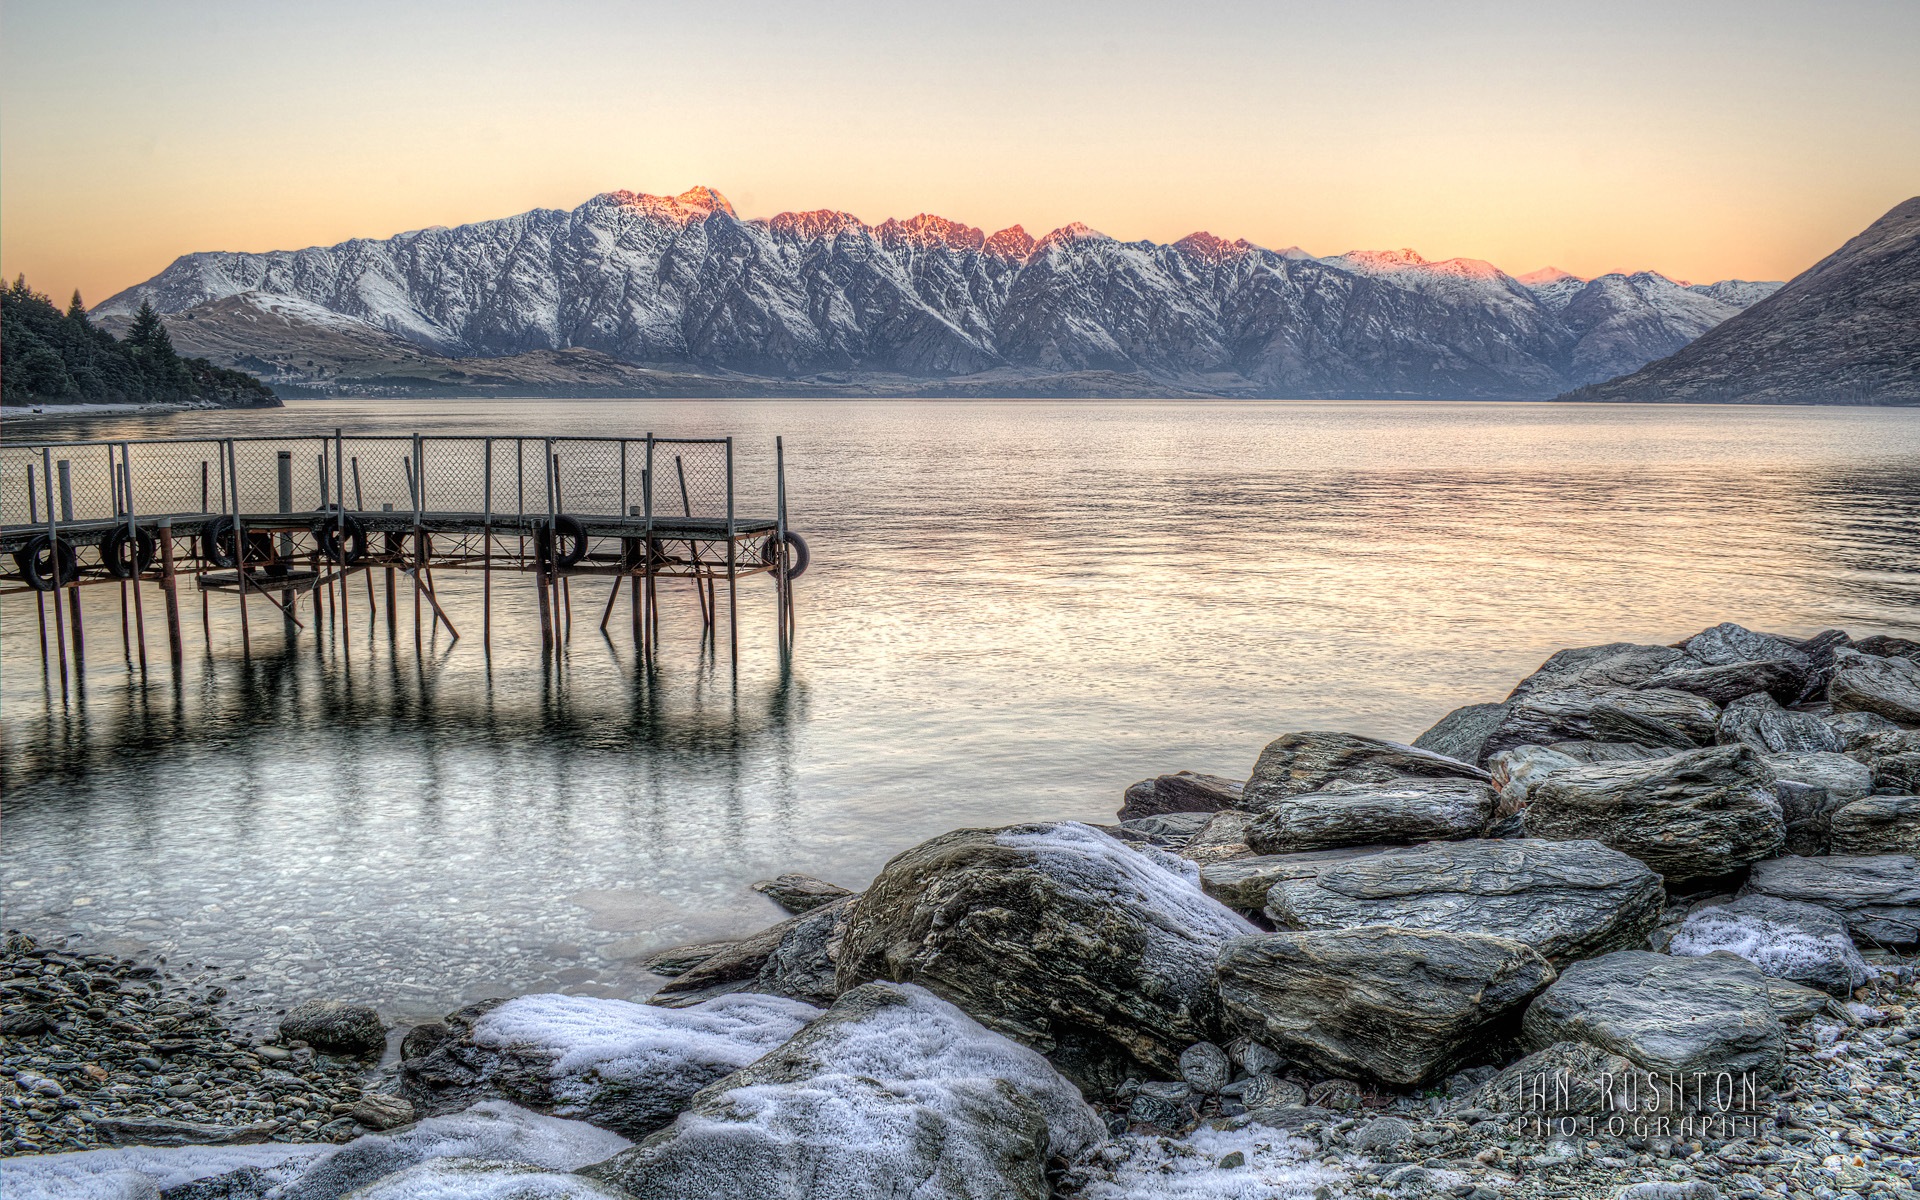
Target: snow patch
[1278,1166]
[1780,947]
[483,1179]
[1108,870]
[137,1172]
[592,1040]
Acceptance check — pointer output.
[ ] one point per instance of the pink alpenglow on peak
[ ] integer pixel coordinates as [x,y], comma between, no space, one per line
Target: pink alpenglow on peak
[1069,234]
[1546,275]
[1011,242]
[695,204]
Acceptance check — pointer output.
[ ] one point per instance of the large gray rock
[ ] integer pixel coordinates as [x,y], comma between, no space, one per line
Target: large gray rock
[1666,1014]
[1223,837]
[1307,762]
[1166,829]
[1893,773]
[1782,679]
[1180,792]
[1567,900]
[1597,752]
[1869,732]
[1786,939]
[336,1027]
[626,1067]
[1688,816]
[1243,883]
[1882,645]
[1054,934]
[792,959]
[1342,813]
[495,1131]
[1516,771]
[892,1094]
[1759,721]
[1877,895]
[1810,785]
[1594,669]
[1398,1005]
[1887,687]
[1878,825]
[1726,644]
[1462,734]
[799,893]
[1658,717]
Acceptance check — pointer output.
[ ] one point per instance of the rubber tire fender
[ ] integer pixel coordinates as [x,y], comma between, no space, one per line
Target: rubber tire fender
[801,558]
[573,542]
[38,558]
[326,536]
[114,556]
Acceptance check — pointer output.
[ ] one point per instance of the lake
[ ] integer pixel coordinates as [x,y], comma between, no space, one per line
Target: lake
[1015,609]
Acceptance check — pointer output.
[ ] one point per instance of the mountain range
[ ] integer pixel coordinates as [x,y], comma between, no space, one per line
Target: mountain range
[640,294]
[1845,331]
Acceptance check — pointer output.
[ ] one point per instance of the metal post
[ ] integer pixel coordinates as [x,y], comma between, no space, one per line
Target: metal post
[206,617]
[340,485]
[540,560]
[133,538]
[283,470]
[486,553]
[650,601]
[780,600]
[126,616]
[73,590]
[239,546]
[53,554]
[733,607]
[169,588]
[40,597]
[413,492]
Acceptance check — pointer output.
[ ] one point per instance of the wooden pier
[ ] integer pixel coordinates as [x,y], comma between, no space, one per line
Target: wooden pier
[280,520]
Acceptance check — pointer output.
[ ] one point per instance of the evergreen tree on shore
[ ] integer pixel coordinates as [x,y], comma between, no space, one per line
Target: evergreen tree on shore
[47,355]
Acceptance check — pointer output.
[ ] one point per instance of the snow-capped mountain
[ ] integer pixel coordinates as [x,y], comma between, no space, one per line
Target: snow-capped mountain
[684,282]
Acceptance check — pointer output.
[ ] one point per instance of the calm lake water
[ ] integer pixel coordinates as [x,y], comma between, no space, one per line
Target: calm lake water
[1015,609]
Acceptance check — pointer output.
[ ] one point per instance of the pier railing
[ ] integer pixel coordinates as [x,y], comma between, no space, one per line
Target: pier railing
[282,516]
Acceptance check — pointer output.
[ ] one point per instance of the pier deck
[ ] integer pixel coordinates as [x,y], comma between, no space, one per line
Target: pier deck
[277,518]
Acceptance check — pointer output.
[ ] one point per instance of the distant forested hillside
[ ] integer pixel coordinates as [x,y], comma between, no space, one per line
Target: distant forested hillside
[47,356]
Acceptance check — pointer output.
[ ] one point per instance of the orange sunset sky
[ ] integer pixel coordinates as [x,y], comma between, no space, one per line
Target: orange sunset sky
[1703,139]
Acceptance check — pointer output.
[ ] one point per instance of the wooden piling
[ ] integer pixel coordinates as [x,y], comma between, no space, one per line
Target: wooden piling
[79,632]
[169,589]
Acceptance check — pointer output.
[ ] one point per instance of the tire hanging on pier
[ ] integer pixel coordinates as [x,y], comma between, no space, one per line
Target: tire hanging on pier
[37,558]
[126,555]
[572,538]
[327,537]
[217,544]
[798,556]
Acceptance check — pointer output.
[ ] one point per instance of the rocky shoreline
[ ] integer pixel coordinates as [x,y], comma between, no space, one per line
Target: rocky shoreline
[1644,929]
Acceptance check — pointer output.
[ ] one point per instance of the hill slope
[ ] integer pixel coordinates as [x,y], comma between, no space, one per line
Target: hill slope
[821,299]
[1846,331]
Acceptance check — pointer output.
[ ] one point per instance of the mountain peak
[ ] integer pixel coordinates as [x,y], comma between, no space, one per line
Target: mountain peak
[1072,232]
[929,230]
[695,204]
[1011,242]
[815,223]
[1202,244]
[1546,275]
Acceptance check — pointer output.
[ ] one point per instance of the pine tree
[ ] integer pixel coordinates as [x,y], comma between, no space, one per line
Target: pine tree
[147,335]
[76,311]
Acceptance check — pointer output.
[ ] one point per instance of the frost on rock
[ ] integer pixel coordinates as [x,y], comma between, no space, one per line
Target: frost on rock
[483,1179]
[494,1130]
[1786,939]
[1277,1166]
[893,1093]
[1097,954]
[630,1066]
[143,1172]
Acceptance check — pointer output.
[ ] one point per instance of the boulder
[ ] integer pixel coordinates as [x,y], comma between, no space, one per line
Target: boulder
[1869,732]
[1786,939]
[335,1027]
[1171,830]
[799,893]
[1663,717]
[1887,687]
[382,1110]
[1515,772]
[1895,773]
[792,959]
[1793,1002]
[1054,934]
[1726,644]
[1566,900]
[1566,1079]
[1297,763]
[1877,825]
[1401,1006]
[621,1066]
[1462,734]
[1881,645]
[1689,816]
[496,1131]
[1180,792]
[1877,895]
[892,1093]
[1243,882]
[1667,1015]
[678,960]
[1782,679]
[1593,669]
[1595,752]
[1759,721]
[1223,837]
[1810,785]
[1344,813]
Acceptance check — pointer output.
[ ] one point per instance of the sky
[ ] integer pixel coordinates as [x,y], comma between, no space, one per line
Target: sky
[1700,138]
